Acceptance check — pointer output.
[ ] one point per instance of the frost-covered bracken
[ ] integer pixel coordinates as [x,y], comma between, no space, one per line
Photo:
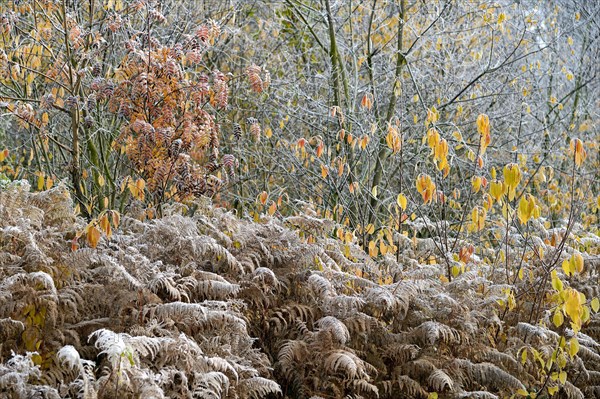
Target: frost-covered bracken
[211,306]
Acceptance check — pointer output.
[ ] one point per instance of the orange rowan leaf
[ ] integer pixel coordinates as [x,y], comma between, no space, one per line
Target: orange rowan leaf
[425,187]
[272,208]
[320,149]
[262,197]
[579,151]
[367,101]
[116,218]
[93,236]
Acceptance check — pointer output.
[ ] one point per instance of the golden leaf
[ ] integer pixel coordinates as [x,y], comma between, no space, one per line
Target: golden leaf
[496,190]
[526,208]
[577,262]
[425,187]
[572,306]
[557,284]
[401,201]
[93,236]
[566,266]
[512,178]
[105,225]
[324,171]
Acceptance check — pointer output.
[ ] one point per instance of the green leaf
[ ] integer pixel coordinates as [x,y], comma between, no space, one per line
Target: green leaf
[595,304]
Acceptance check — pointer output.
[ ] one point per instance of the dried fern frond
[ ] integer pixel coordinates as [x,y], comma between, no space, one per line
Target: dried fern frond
[338,330]
[10,328]
[212,384]
[17,375]
[408,387]
[211,289]
[529,331]
[258,387]
[571,391]
[431,332]
[439,381]
[345,363]
[476,395]
[488,375]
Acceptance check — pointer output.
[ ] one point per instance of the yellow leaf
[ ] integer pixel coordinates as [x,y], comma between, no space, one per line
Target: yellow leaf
[401,201]
[374,191]
[558,318]
[524,356]
[572,306]
[557,284]
[478,216]
[501,18]
[577,262]
[370,228]
[105,225]
[383,248]
[100,180]
[324,171]
[455,271]
[40,181]
[425,187]
[585,314]
[373,250]
[566,266]
[272,208]
[595,304]
[432,116]
[526,208]
[573,347]
[483,124]
[512,178]
[476,183]
[553,390]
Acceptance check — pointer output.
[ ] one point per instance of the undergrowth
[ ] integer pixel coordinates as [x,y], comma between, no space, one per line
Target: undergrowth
[212,306]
